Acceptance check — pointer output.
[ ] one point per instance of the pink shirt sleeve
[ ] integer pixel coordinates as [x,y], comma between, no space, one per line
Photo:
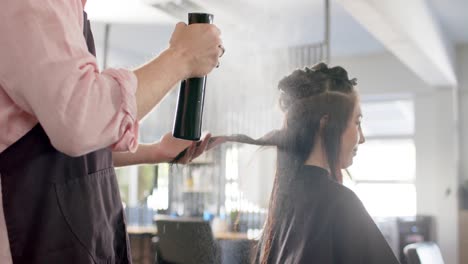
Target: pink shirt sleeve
[46,69]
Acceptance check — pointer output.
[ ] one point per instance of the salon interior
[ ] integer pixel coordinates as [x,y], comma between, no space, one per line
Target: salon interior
[410,58]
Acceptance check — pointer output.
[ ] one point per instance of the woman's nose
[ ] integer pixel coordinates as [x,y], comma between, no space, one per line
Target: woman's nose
[362,139]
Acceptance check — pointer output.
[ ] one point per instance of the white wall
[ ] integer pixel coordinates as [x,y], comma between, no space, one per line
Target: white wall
[131,45]
[437,172]
[463,100]
[380,73]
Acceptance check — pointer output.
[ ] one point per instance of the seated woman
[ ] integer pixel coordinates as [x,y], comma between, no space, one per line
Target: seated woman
[312,217]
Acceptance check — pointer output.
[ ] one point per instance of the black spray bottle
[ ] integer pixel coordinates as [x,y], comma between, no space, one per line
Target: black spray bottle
[189,112]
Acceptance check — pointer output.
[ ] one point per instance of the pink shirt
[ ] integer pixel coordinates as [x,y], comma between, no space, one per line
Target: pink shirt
[48,76]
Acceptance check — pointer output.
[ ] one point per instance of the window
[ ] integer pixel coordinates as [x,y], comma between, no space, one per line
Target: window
[159,197]
[383,172]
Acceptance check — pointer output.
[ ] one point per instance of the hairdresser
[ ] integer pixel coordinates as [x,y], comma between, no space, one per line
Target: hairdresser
[65,124]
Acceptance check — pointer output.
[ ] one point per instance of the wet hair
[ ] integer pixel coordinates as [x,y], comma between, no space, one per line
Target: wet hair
[307,96]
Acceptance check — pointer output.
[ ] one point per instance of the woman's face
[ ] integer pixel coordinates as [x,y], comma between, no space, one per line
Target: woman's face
[351,138]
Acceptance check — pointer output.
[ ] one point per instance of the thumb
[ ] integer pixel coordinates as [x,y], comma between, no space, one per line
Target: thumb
[179,28]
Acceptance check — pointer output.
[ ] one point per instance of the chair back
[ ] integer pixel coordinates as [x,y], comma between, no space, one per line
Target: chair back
[186,242]
[423,253]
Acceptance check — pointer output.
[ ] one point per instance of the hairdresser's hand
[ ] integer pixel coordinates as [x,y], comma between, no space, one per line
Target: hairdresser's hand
[216,141]
[182,151]
[168,149]
[199,46]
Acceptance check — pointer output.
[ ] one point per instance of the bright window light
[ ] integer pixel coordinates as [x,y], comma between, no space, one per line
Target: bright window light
[385,159]
[387,199]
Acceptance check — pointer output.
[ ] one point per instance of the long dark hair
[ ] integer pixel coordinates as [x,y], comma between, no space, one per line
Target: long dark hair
[306,97]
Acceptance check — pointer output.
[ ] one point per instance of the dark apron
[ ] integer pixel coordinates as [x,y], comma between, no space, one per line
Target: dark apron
[60,209]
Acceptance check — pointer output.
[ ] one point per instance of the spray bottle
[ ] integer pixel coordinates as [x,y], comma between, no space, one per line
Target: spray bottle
[189,112]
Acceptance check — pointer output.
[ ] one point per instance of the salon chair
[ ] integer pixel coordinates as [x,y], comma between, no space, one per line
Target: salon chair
[186,242]
[423,253]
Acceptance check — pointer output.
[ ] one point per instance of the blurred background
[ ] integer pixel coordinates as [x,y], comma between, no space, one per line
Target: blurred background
[411,61]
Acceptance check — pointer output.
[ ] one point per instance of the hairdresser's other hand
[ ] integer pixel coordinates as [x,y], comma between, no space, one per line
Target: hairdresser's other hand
[182,151]
[216,141]
[198,45]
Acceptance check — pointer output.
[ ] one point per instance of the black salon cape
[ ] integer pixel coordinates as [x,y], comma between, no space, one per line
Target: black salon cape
[325,222]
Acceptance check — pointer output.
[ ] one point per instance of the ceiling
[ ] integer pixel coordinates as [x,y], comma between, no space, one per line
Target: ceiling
[279,22]
[452,15]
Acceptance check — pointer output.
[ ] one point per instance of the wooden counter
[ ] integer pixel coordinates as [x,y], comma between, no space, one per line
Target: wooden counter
[141,230]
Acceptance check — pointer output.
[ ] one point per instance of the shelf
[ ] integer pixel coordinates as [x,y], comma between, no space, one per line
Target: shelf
[141,230]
